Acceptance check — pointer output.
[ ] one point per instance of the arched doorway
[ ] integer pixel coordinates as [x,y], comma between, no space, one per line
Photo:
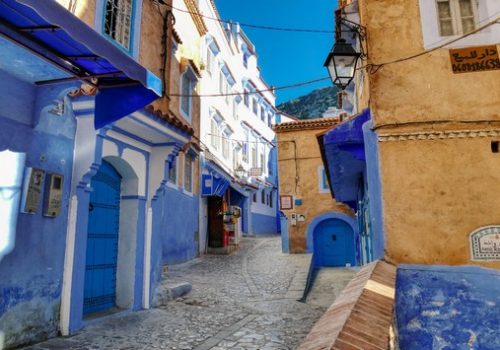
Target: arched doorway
[334,243]
[331,239]
[102,240]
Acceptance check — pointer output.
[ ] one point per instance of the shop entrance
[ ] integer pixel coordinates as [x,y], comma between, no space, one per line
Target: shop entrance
[215,222]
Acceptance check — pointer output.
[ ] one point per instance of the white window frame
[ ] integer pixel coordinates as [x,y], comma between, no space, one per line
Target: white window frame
[176,183]
[210,61]
[235,109]
[188,115]
[431,30]
[456,16]
[214,134]
[322,188]
[246,146]
[191,160]
[225,146]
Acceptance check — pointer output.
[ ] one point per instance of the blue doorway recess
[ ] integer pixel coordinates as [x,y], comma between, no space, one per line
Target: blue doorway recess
[334,243]
[102,241]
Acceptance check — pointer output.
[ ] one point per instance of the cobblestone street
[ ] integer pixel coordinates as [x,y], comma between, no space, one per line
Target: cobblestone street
[246,300]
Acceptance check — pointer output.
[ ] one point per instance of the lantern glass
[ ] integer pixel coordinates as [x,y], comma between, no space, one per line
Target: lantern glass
[341,63]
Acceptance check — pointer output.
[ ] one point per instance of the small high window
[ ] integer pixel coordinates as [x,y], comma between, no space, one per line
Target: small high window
[456,16]
[214,134]
[188,83]
[172,172]
[118,21]
[188,172]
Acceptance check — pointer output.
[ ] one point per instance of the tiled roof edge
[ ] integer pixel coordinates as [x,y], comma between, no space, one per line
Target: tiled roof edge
[372,281]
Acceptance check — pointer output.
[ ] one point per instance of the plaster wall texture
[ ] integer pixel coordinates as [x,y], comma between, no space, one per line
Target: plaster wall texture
[298,160]
[31,275]
[435,190]
[264,224]
[83,9]
[414,90]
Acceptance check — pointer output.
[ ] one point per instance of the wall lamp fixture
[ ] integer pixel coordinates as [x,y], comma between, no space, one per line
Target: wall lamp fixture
[343,59]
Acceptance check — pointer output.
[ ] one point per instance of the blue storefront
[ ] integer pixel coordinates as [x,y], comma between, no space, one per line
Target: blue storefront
[350,154]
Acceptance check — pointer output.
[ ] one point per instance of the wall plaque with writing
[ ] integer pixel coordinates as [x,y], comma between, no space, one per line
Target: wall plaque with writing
[485,243]
[286,202]
[474,59]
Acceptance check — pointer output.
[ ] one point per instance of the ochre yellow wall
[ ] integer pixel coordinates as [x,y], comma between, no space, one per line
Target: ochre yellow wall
[424,88]
[83,9]
[436,190]
[305,186]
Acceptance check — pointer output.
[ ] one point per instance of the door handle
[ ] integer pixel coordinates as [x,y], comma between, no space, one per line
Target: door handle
[91,207]
[334,237]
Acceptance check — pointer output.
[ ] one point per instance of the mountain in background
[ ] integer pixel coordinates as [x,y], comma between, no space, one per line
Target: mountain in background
[312,105]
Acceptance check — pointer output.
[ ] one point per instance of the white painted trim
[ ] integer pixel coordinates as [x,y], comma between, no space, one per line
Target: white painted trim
[68,268]
[147,258]
[128,140]
[155,125]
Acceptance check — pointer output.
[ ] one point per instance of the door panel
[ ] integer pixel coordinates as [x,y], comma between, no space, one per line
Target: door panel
[334,243]
[215,222]
[102,241]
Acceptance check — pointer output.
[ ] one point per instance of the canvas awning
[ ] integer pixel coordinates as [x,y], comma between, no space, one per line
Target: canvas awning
[51,32]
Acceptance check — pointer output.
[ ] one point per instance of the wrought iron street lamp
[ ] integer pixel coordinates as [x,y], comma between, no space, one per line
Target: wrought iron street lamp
[341,63]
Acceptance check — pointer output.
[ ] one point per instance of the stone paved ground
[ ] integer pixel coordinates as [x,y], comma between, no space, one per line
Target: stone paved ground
[243,301]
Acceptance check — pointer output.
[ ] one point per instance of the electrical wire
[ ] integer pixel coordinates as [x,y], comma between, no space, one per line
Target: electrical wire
[241,141]
[255,91]
[371,68]
[255,26]
[374,67]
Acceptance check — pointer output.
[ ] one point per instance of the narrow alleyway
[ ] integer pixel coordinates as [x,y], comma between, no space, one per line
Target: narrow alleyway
[243,301]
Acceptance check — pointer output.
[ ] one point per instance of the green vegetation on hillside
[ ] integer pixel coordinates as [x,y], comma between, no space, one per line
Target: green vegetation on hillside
[312,105]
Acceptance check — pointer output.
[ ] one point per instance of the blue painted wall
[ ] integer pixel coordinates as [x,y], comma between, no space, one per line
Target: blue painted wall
[31,275]
[264,224]
[447,307]
[374,189]
[175,220]
[285,245]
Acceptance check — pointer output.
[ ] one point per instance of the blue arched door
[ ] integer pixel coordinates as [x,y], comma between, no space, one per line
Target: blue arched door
[102,240]
[334,243]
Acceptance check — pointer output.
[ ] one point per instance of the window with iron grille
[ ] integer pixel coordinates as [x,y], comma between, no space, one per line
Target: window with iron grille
[456,16]
[118,21]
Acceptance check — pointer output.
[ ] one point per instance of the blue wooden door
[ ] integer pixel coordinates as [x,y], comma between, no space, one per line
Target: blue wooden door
[334,243]
[102,241]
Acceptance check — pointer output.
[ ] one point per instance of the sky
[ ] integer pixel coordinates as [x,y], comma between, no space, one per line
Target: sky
[287,57]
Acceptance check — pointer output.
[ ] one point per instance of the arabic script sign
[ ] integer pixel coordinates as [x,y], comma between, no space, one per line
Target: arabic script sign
[485,243]
[474,59]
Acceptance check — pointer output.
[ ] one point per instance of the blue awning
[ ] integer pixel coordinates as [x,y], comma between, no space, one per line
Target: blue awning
[214,184]
[53,33]
[344,155]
